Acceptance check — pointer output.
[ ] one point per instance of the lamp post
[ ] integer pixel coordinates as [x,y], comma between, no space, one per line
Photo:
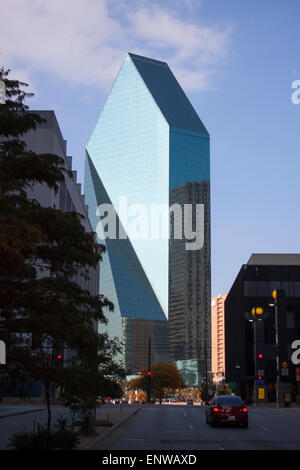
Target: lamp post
[274,295]
[255,311]
[149,373]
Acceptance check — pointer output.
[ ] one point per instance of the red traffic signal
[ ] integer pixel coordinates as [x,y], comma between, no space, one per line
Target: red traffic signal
[260,356]
[149,372]
[59,356]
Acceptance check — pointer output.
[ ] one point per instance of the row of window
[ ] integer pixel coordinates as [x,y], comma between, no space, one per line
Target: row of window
[265,288]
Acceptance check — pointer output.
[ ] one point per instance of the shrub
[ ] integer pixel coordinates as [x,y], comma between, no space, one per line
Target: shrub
[62,439]
[31,440]
[65,439]
[87,425]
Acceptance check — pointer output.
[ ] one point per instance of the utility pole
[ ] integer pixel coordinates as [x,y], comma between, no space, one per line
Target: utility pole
[255,311]
[149,374]
[206,371]
[274,294]
[255,362]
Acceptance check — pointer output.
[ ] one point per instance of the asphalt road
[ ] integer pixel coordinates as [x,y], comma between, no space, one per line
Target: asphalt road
[183,427]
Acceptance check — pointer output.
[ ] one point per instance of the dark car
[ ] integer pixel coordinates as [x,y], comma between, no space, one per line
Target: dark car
[189,402]
[227,409]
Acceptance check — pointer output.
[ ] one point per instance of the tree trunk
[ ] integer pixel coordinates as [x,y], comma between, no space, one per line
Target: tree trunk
[48,407]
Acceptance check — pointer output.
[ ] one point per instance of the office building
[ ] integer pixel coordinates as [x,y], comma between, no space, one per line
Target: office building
[218,338]
[250,358]
[148,152]
[47,138]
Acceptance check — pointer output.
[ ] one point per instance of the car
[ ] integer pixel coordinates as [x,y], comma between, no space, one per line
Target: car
[227,409]
[189,402]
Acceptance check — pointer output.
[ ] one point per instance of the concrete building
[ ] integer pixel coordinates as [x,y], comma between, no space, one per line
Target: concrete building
[218,337]
[47,138]
[250,360]
[150,149]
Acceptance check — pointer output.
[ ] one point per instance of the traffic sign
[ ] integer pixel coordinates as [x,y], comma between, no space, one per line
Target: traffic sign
[260,372]
[284,364]
[260,382]
[284,372]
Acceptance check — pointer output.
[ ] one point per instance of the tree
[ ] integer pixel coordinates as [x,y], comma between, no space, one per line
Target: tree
[141,397]
[86,382]
[43,311]
[164,379]
[207,391]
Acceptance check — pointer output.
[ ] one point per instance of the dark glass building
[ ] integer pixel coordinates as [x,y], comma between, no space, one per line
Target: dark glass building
[253,288]
[150,150]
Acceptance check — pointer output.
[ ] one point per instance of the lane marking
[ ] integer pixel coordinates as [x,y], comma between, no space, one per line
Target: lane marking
[191,426]
[133,439]
[265,429]
[184,413]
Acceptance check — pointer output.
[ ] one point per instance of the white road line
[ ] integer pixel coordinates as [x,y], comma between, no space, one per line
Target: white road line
[191,426]
[133,439]
[265,429]
[184,413]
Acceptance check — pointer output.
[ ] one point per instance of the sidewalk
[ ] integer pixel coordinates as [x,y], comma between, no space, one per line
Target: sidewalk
[118,415]
[13,410]
[293,406]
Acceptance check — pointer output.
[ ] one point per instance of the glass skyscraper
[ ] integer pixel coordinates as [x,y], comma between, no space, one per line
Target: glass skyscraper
[148,151]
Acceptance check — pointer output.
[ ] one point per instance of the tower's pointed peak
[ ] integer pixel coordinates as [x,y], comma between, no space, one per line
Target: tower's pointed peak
[168,94]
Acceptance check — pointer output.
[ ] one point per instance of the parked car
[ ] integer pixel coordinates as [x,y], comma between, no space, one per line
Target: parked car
[189,402]
[227,409]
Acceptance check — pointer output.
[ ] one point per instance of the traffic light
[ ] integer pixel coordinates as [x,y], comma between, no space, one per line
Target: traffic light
[59,357]
[149,373]
[260,356]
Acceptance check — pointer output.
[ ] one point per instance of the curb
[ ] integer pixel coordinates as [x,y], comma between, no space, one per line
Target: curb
[21,413]
[111,431]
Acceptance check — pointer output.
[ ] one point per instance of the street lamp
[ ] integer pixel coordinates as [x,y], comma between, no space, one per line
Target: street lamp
[274,295]
[256,311]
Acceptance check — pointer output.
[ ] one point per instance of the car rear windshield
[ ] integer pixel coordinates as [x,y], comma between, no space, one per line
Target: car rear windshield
[230,400]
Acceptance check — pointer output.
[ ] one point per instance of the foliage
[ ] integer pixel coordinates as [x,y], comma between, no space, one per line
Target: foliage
[44,254]
[63,439]
[165,378]
[132,395]
[142,397]
[205,396]
[204,393]
[86,424]
[86,381]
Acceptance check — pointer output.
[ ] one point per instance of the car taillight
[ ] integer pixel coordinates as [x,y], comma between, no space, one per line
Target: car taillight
[245,410]
[216,410]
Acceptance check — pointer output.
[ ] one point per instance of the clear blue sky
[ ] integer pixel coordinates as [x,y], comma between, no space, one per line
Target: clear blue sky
[235,59]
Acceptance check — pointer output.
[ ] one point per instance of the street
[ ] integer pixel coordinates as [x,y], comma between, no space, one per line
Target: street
[182,427]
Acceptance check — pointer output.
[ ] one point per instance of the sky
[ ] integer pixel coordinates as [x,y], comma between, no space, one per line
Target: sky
[236,60]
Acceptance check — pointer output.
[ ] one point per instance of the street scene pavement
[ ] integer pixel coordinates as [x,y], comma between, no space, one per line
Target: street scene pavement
[17,418]
[167,427]
[182,427]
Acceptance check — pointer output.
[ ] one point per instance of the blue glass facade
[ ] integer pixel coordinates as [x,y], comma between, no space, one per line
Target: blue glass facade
[150,146]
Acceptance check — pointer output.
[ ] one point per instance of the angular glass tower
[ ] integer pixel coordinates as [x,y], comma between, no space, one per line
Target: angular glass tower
[150,149]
